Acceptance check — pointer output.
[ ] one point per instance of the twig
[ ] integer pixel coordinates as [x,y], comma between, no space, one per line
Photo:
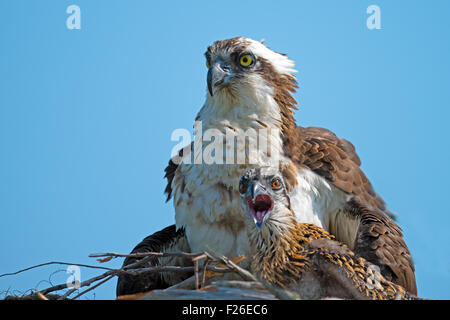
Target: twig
[93,287]
[246,275]
[53,262]
[135,272]
[138,268]
[87,283]
[146,254]
[196,275]
[54,288]
[40,295]
[113,272]
[131,269]
[207,260]
[68,293]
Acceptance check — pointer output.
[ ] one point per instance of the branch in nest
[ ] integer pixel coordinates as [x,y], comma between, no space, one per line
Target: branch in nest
[135,268]
[146,254]
[50,263]
[139,267]
[246,275]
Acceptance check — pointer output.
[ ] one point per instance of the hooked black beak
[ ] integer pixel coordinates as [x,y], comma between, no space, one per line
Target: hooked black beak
[216,75]
[256,189]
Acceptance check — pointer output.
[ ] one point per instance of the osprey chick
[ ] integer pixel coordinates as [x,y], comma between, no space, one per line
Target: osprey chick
[300,256]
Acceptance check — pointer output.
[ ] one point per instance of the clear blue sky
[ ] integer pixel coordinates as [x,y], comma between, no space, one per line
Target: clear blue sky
[86,116]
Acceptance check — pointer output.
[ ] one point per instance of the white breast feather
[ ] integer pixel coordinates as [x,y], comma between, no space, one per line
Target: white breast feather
[314,199]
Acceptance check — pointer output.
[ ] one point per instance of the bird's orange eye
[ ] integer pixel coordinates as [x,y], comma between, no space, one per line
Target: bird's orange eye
[208,64]
[242,188]
[276,184]
[246,60]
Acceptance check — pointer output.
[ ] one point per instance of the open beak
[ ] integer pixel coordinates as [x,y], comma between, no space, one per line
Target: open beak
[217,74]
[259,204]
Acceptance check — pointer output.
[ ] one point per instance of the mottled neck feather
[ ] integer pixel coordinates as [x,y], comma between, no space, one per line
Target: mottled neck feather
[281,258]
[284,85]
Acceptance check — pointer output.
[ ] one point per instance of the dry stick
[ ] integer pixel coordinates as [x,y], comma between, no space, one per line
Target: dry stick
[196,275]
[246,275]
[195,260]
[278,293]
[194,256]
[93,287]
[189,283]
[54,262]
[135,272]
[115,272]
[129,269]
[68,293]
[146,254]
[91,280]
[84,284]
[207,260]
[54,288]
[40,295]
[102,276]
[87,283]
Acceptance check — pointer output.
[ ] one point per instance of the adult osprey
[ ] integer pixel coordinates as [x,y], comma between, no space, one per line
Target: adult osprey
[250,87]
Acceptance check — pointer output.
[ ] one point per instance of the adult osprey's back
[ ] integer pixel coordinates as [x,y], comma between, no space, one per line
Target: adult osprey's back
[250,86]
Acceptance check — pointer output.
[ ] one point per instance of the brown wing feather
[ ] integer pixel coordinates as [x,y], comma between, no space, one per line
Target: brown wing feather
[172,167]
[157,242]
[337,161]
[170,173]
[379,239]
[349,275]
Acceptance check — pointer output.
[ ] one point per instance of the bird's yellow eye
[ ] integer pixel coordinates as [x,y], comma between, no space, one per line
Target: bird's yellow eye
[276,184]
[246,60]
[207,63]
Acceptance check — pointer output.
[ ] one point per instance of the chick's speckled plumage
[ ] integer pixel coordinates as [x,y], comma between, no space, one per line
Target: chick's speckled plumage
[310,246]
[304,257]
